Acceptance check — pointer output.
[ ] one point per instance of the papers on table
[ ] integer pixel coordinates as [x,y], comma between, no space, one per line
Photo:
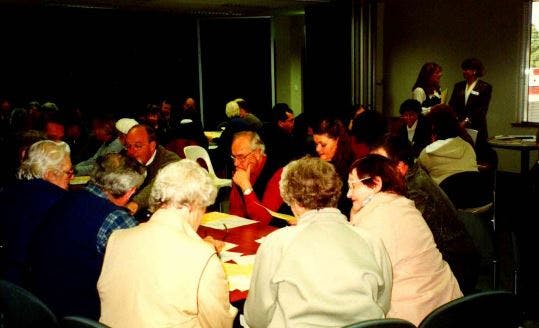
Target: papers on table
[238,275]
[80,180]
[527,137]
[289,218]
[223,221]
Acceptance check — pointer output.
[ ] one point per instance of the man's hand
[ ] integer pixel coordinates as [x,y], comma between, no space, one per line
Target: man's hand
[242,178]
[132,207]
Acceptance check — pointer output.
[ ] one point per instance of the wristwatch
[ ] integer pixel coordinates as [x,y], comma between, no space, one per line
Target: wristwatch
[247,191]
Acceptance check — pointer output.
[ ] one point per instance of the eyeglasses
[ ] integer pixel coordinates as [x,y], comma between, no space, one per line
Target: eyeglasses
[353,184]
[69,172]
[241,157]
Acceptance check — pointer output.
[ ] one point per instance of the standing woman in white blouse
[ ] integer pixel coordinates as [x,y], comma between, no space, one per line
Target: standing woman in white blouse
[426,88]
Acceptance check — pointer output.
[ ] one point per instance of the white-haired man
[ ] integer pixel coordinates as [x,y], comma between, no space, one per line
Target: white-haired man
[68,248]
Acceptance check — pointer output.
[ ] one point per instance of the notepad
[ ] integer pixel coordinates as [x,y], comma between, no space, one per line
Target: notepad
[223,221]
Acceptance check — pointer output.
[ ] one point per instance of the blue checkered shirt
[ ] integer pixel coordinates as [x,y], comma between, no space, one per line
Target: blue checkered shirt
[118,219]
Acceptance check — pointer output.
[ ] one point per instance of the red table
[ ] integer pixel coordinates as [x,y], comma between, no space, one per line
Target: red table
[244,237]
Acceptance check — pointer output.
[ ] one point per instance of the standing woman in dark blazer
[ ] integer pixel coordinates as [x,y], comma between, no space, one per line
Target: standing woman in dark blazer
[470,100]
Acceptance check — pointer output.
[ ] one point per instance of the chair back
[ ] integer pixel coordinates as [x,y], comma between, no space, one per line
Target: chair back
[468,190]
[20,308]
[80,322]
[472,133]
[385,323]
[177,145]
[197,152]
[493,308]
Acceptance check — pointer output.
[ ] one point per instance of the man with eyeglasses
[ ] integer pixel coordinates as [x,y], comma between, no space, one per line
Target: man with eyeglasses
[68,247]
[256,181]
[141,145]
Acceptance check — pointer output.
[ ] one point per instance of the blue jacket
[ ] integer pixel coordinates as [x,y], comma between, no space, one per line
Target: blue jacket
[65,261]
[23,206]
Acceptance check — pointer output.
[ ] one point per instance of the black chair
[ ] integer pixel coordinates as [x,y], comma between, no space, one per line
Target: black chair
[472,191]
[385,323]
[20,308]
[80,322]
[486,309]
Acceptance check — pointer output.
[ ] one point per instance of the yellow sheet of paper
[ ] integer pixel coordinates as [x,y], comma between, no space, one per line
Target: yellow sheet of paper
[286,217]
[83,179]
[232,269]
[214,216]
[289,218]
[444,96]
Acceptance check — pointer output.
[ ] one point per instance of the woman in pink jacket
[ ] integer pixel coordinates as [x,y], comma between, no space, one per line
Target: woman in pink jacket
[422,280]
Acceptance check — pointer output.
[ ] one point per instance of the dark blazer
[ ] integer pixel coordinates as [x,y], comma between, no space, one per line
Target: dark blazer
[475,109]
[422,136]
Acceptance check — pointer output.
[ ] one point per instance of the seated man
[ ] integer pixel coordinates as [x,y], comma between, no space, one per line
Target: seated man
[67,253]
[256,181]
[141,145]
[277,135]
[449,233]
[161,273]
[103,130]
[322,272]
[43,178]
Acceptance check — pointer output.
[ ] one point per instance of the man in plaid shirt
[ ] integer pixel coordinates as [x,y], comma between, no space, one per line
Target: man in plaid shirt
[68,250]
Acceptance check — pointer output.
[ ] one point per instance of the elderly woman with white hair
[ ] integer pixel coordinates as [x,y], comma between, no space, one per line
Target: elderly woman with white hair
[161,273]
[322,272]
[43,178]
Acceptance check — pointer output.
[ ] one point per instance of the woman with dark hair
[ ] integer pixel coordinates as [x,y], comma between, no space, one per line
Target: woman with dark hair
[333,145]
[422,280]
[426,88]
[470,100]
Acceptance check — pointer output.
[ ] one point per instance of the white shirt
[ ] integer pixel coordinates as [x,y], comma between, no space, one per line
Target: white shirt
[468,90]
[411,131]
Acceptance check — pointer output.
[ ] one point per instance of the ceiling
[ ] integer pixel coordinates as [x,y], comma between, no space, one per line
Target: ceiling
[190,7]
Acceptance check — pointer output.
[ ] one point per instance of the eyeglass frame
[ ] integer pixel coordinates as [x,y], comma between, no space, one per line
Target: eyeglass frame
[351,185]
[243,157]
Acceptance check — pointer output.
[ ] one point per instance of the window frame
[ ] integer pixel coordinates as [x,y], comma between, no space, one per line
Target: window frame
[522,117]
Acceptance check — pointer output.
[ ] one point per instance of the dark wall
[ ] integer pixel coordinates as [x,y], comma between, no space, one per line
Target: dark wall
[97,59]
[327,73]
[236,63]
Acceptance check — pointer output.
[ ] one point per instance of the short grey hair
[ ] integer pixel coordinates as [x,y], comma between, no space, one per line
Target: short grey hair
[117,173]
[232,109]
[182,183]
[43,156]
[311,183]
[255,140]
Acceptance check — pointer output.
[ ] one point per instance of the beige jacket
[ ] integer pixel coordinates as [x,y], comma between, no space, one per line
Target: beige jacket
[422,280]
[443,158]
[321,273]
[161,274]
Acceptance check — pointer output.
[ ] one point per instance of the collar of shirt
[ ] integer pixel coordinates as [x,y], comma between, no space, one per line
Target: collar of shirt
[149,162]
[469,88]
[96,191]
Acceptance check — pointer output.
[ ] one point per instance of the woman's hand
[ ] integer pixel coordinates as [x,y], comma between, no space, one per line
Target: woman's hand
[217,244]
